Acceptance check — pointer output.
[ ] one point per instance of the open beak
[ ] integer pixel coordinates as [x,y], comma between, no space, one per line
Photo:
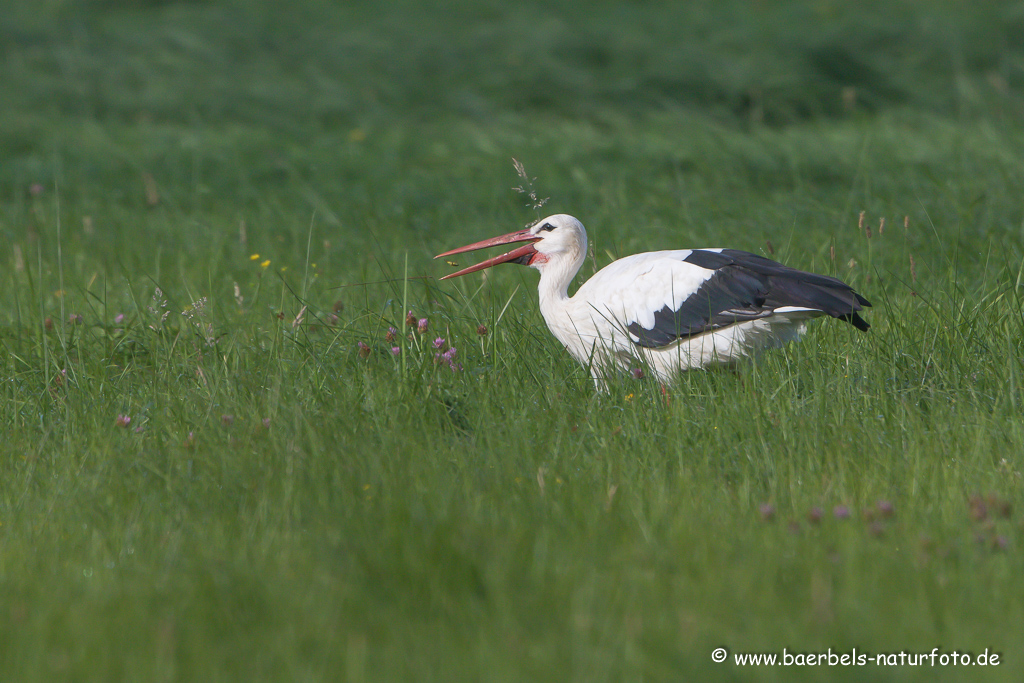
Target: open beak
[523,254]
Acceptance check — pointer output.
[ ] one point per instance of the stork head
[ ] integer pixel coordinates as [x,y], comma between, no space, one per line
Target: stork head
[555,239]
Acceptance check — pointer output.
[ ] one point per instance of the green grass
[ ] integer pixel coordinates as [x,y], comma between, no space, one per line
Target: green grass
[281,507]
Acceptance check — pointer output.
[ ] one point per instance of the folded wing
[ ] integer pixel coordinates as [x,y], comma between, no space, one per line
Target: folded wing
[675,295]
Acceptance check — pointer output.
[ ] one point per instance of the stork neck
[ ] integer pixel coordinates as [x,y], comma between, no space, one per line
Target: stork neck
[555,278]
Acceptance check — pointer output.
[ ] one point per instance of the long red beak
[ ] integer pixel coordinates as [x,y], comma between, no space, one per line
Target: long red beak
[522,255]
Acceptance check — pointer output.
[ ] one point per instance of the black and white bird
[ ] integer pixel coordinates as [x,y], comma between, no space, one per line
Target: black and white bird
[671,310]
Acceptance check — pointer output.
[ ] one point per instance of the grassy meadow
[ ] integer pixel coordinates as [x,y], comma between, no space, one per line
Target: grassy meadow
[226,456]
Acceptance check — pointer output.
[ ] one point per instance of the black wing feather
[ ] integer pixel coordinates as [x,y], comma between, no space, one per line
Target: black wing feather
[747,287]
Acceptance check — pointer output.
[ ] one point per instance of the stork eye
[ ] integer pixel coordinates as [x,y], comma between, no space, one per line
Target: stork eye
[547,227]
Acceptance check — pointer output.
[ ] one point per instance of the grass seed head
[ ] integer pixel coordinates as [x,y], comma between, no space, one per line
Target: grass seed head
[526,187]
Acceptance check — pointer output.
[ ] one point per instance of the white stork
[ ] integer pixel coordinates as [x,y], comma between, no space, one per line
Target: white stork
[669,310]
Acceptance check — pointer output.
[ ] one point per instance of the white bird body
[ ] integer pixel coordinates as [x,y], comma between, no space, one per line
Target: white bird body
[668,310]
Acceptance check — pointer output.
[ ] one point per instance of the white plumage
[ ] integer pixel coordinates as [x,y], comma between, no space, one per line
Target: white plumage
[668,310]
